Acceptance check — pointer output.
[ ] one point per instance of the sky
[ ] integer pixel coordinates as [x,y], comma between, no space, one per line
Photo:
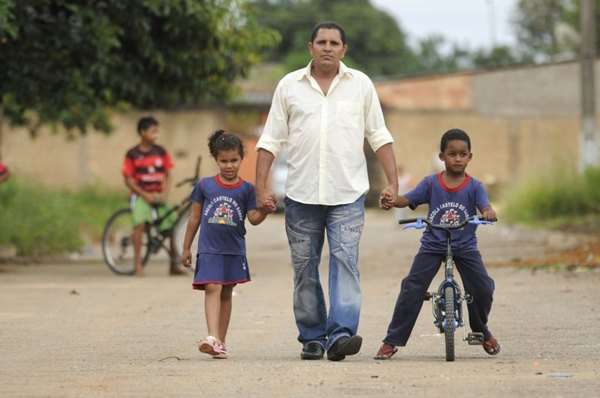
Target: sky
[467,22]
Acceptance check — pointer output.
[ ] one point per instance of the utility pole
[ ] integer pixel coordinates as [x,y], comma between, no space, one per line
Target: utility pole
[588,143]
[492,22]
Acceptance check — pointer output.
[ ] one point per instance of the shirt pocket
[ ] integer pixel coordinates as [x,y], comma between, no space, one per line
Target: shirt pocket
[349,114]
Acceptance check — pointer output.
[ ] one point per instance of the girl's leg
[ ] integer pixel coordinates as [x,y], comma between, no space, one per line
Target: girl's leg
[212,308]
[225,311]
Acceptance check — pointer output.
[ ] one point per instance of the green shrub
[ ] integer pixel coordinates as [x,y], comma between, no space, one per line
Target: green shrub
[554,198]
[38,220]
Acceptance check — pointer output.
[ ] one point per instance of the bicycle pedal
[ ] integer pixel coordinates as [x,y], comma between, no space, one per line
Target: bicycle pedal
[474,338]
[427,296]
[468,298]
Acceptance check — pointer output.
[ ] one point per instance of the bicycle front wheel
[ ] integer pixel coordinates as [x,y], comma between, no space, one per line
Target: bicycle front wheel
[178,233]
[117,243]
[450,326]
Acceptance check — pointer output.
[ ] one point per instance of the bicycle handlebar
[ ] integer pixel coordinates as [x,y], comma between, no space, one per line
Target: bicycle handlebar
[420,223]
[192,180]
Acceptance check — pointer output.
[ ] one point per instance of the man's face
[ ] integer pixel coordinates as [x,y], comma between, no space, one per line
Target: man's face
[327,49]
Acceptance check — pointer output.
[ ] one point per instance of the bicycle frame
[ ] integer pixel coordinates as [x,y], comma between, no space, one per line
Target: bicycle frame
[438,302]
[157,240]
[438,299]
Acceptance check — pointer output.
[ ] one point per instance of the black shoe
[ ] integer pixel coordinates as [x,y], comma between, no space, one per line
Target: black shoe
[344,346]
[312,350]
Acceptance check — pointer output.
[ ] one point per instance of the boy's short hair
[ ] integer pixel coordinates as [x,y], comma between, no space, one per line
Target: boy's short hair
[145,123]
[454,134]
[328,25]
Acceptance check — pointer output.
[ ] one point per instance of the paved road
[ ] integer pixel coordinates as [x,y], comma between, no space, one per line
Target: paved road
[76,330]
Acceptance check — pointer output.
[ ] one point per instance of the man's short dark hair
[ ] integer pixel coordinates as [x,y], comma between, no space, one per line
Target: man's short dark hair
[145,123]
[454,134]
[328,25]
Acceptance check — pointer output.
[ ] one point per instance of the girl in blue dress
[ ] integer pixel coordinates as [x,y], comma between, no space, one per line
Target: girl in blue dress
[220,205]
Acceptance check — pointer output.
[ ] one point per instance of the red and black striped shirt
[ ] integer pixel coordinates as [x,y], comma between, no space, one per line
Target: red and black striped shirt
[3,170]
[148,168]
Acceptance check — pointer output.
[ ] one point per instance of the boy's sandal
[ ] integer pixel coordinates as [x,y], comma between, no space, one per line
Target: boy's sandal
[491,346]
[386,351]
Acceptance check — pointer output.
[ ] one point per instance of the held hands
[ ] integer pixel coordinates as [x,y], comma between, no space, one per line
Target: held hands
[152,198]
[186,258]
[266,201]
[388,197]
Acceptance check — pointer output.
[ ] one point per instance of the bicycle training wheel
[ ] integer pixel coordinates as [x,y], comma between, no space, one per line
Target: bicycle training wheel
[117,245]
[449,327]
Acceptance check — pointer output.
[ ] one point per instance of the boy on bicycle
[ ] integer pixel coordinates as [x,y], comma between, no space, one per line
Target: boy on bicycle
[452,196]
[146,172]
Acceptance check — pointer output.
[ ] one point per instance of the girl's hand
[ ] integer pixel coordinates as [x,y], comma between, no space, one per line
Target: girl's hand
[386,201]
[186,258]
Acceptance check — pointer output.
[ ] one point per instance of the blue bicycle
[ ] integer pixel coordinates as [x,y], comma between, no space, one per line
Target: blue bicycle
[447,301]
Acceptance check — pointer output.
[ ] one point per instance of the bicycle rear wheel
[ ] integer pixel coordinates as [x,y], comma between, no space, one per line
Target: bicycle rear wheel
[450,325]
[117,245]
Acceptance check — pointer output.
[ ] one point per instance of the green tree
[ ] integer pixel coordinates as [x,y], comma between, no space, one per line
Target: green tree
[67,62]
[549,29]
[376,43]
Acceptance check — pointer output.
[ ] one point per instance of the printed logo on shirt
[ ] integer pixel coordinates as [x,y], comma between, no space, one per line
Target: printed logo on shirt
[450,217]
[451,213]
[222,210]
[223,215]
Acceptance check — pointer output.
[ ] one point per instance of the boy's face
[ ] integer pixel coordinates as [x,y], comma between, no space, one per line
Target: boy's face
[150,135]
[456,156]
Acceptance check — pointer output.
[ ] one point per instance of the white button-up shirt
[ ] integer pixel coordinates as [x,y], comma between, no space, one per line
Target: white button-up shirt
[324,134]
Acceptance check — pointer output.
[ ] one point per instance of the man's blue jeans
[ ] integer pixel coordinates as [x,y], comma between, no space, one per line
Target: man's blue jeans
[305,226]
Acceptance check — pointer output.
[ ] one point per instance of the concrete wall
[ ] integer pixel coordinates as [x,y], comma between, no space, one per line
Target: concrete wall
[522,121]
[504,149]
[55,160]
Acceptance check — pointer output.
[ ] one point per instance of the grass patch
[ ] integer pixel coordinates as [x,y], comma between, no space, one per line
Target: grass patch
[562,199]
[38,221]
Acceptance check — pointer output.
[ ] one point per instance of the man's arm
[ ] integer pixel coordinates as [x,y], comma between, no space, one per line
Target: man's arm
[264,197]
[387,159]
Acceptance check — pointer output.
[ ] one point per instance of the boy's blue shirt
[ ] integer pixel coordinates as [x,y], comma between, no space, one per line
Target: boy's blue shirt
[449,206]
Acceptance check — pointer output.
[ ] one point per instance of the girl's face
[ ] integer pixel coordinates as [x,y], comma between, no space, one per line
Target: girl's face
[229,164]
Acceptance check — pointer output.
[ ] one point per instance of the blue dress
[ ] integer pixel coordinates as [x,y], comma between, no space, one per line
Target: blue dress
[221,255]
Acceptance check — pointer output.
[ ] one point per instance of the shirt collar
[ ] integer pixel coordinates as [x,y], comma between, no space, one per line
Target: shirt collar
[343,71]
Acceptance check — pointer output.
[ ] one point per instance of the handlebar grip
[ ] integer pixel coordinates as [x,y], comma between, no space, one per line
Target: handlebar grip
[408,221]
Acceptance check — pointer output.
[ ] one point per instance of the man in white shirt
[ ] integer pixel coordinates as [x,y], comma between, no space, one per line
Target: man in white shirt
[321,114]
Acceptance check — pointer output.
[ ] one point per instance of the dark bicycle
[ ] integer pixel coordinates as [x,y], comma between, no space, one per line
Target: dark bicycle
[447,301]
[117,244]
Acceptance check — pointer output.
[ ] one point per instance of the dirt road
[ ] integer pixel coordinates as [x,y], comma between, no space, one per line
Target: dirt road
[76,330]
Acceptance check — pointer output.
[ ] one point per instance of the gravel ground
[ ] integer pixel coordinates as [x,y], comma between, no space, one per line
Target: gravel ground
[77,330]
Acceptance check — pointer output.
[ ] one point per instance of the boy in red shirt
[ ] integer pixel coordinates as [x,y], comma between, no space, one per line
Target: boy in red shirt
[4,173]
[146,172]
